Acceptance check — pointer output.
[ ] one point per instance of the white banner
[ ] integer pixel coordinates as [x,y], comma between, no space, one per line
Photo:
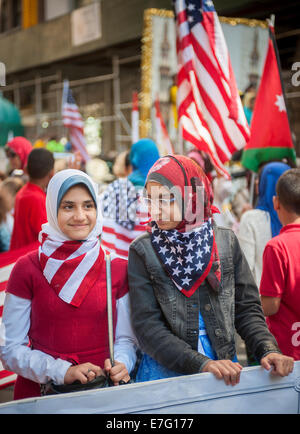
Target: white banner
[86,24]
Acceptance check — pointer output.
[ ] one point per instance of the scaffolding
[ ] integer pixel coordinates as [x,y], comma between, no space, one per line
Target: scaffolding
[35,118]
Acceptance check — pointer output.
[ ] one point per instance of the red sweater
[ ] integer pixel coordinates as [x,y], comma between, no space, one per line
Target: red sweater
[280,279]
[76,334]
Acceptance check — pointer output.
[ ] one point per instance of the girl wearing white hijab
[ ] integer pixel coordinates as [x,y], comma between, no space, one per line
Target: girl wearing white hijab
[55,317]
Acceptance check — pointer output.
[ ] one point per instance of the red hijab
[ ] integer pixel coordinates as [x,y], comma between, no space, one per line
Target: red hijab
[22,147]
[190,181]
[188,253]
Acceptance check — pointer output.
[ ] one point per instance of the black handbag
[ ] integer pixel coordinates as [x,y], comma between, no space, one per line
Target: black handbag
[54,389]
[100,381]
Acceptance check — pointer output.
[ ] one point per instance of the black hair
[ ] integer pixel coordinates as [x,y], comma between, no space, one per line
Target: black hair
[288,190]
[40,163]
[127,160]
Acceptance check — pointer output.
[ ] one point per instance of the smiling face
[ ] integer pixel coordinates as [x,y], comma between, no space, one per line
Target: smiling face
[77,213]
[162,207]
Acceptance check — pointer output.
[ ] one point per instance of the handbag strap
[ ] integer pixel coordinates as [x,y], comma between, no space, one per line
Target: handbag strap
[109,308]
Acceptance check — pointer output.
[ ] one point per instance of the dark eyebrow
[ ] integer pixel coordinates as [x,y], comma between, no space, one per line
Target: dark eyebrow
[69,202]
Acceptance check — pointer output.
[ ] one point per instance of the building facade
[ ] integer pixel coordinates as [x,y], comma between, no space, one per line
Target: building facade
[96,45]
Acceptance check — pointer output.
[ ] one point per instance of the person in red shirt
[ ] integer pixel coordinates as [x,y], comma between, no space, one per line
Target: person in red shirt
[280,282]
[17,151]
[30,205]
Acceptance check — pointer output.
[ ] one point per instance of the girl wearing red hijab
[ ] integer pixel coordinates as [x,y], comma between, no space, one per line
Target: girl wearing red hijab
[17,151]
[191,286]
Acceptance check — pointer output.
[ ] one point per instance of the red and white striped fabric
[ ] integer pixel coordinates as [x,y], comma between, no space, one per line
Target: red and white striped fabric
[124,216]
[162,135]
[72,120]
[117,239]
[209,107]
[135,117]
[71,267]
[7,262]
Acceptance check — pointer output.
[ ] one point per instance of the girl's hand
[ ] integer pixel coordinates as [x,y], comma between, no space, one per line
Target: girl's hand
[117,373]
[84,373]
[225,369]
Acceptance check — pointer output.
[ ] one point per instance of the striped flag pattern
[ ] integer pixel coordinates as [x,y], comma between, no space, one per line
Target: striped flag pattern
[72,120]
[70,267]
[124,216]
[209,107]
[7,262]
[162,135]
[117,239]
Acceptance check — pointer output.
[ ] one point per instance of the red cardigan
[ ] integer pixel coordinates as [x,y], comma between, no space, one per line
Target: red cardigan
[76,334]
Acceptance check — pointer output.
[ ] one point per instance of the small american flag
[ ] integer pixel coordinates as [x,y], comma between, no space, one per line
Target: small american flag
[209,107]
[72,120]
[123,217]
[7,262]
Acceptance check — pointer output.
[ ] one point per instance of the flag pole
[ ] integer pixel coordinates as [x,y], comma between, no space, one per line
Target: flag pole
[271,20]
[135,136]
[252,187]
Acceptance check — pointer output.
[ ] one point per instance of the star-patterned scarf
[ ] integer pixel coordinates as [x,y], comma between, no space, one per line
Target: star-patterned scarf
[188,257]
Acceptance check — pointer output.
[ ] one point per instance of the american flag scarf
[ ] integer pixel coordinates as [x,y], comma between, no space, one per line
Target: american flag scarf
[71,267]
[188,256]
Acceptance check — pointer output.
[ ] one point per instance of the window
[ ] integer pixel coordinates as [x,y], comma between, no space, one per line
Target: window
[82,3]
[10,15]
[57,8]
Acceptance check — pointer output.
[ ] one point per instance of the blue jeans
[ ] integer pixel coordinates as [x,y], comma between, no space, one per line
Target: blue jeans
[149,370]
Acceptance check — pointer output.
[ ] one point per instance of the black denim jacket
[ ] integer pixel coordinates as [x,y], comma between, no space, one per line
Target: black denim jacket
[166,322]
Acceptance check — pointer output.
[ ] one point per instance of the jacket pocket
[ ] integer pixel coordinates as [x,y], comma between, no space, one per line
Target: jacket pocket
[164,289]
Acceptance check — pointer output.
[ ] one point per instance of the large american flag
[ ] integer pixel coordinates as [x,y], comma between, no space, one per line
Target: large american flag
[72,120]
[7,262]
[209,107]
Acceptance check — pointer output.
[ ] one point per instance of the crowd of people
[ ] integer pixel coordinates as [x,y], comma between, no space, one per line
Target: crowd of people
[193,260]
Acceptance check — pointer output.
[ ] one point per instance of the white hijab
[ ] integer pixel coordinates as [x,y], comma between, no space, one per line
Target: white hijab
[51,228]
[81,260]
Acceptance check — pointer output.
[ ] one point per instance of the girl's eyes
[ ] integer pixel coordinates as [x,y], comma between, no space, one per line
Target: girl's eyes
[89,206]
[70,207]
